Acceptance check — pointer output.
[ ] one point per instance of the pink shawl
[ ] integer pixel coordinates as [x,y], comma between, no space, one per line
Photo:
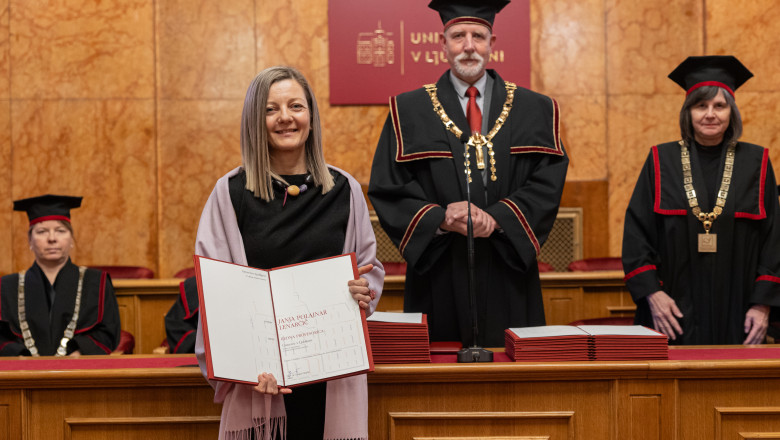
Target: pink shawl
[244,410]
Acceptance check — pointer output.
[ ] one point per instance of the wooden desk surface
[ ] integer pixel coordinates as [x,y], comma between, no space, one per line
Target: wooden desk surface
[669,400]
[602,277]
[149,286]
[187,373]
[599,277]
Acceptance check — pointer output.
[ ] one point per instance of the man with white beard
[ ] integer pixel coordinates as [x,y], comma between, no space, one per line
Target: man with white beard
[436,135]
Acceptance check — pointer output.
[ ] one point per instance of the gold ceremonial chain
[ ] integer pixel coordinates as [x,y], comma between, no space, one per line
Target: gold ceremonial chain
[476,140]
[29,342]
[707,241]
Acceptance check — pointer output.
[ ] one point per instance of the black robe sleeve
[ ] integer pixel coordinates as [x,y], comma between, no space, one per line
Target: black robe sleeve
[526,216]
[99,329]
[10,344]
[181,321]
[407,216]
[767,285]
[641,258]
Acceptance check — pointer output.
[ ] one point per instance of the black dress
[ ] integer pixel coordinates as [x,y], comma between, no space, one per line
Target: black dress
[306,227]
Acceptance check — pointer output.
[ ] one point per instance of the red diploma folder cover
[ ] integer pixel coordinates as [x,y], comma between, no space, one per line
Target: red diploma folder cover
[298,322]
[554,343]
[399,338]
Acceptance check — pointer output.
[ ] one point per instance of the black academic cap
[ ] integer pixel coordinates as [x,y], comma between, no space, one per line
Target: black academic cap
[715,70]
[468,11]
[48,207]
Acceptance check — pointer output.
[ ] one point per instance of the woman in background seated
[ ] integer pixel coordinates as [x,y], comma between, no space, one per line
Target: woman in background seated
[56,308]
[702,230]
[285,205]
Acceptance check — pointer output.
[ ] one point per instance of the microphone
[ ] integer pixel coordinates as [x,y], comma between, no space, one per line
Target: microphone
[475,353]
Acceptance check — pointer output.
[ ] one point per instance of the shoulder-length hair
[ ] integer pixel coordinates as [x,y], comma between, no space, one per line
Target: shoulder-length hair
[254,134]
[734,130]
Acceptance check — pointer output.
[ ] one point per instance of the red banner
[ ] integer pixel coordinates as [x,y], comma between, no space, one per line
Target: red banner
[382,48]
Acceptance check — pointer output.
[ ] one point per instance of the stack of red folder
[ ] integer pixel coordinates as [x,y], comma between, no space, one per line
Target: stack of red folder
[627,343]
[548,343]
[399,338]
[555,343]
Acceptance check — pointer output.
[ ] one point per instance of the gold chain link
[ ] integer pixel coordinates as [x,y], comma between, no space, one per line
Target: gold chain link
[29,342]
[476,140]
[706,218]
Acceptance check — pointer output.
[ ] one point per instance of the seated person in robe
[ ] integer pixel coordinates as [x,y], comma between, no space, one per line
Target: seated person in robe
[56,308]
[181,321]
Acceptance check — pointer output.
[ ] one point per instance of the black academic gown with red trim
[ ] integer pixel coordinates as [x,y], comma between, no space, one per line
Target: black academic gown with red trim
[660,244]
[97,328]
[419,169]
[181,321]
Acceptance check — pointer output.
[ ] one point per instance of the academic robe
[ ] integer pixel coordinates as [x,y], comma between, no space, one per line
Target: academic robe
[97,328]
[418,170]
[181,321]
[660,244]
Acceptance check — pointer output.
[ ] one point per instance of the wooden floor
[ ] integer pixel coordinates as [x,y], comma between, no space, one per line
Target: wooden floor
[656,400]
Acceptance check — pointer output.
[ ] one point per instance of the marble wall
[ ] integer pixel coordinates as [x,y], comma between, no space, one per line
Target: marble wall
[135,104]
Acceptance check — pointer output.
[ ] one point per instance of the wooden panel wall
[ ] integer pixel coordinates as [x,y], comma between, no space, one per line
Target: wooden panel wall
[135,104]
[592,197]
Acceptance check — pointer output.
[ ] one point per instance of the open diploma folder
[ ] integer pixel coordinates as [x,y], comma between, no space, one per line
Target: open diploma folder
[299,322]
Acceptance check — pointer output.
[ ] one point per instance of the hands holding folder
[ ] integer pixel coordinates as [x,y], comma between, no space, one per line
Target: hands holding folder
[362,293]
[266,384]
[360,289]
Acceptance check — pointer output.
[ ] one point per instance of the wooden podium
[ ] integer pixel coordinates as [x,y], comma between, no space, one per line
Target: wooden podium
[650,400]
[725,399]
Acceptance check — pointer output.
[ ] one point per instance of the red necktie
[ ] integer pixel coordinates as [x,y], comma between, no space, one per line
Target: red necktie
[473,114]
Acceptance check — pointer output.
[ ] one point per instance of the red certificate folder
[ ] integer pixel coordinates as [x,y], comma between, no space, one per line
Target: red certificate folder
[399,338]
[586,342]
[298,322]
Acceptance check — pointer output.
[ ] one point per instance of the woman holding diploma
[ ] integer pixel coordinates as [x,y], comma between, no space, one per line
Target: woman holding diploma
[283,206]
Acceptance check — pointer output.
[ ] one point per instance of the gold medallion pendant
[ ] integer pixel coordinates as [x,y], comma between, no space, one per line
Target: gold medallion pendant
[708,243]
[476,140]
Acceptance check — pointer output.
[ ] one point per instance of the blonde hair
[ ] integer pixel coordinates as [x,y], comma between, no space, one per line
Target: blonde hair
[254,134]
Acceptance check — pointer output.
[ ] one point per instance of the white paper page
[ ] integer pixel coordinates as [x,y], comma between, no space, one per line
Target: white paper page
[319,324]
[547,331]
[401,318]
[242,335]
[623,330]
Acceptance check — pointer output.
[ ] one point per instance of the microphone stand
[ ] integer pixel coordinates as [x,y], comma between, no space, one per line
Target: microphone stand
[475,353]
